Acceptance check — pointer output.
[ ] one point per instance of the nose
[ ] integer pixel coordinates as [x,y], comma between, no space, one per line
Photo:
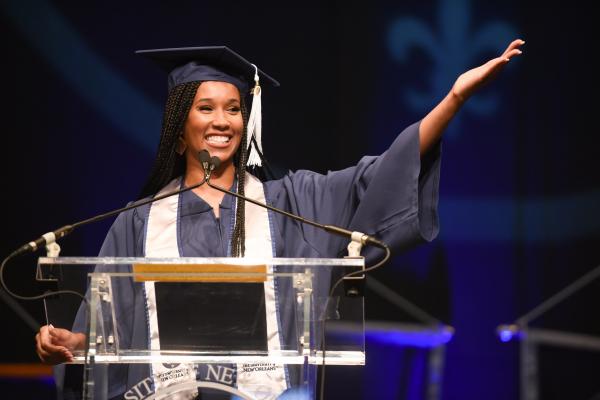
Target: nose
[221,121]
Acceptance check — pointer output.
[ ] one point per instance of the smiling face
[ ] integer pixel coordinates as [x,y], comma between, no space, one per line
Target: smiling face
[214,123]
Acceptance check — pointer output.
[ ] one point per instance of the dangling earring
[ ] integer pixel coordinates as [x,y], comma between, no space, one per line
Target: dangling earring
[181,146]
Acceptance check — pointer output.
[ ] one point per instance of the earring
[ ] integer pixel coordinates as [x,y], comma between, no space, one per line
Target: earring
[181,146]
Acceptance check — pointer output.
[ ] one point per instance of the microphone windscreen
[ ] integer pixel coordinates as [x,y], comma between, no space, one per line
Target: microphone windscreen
[204,156]
[215,161]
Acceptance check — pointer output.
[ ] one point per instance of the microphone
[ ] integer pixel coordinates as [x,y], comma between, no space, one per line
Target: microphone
[353,281]
[214,162]
[51,237]
[45,239]
[204,158]
[208,163]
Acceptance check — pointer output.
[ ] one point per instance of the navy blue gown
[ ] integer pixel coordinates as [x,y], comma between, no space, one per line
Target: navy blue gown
[392,196]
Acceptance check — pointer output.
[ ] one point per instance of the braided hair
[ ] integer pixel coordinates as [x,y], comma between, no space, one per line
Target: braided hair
[168,164]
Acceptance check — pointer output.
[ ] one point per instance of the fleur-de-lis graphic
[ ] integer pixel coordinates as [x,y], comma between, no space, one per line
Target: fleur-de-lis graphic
[454,51]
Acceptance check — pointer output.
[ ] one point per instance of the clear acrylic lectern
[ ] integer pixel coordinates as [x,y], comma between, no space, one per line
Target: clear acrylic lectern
[201,327]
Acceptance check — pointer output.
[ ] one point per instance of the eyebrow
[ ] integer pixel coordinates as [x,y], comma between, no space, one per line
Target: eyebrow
[231,100]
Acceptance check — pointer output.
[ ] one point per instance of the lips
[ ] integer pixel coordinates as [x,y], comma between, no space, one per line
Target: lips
[218,140]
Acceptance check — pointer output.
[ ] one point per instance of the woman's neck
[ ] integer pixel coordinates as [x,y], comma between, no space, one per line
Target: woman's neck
[224,177]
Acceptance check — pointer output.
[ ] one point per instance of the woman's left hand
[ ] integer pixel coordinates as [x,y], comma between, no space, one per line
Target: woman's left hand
[473,79]
[435,122]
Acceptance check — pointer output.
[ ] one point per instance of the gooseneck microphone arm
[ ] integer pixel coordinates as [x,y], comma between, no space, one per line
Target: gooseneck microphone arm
[212,163]
[51,237]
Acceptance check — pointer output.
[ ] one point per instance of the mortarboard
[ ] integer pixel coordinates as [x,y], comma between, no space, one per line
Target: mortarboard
[216,63]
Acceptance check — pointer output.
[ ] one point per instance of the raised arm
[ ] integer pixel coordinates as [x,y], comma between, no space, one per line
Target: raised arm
[433,125]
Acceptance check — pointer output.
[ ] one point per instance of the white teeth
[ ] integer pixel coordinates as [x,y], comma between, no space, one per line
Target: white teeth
[217,139]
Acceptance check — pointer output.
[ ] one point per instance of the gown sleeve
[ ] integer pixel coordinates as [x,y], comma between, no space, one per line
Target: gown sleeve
[393,196]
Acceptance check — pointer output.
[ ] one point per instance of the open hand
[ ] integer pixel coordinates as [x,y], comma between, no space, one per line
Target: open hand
[473,79]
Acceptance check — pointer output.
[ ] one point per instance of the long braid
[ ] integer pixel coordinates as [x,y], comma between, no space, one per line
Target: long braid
[168,164]
[238,239]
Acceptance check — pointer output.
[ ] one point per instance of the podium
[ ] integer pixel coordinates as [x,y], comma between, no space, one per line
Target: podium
[179,328]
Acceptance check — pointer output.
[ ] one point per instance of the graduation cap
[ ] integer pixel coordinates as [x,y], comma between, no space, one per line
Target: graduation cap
[217,63]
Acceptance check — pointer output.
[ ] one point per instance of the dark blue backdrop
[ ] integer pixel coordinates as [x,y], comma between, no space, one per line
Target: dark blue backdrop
[520,182]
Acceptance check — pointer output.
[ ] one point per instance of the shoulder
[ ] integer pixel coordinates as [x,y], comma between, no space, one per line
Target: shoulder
[133,219]
[125,237]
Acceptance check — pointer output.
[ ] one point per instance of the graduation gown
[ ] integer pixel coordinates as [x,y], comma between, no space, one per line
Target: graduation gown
[393,196]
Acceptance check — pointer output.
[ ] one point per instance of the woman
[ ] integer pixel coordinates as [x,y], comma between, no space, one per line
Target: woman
[393,196]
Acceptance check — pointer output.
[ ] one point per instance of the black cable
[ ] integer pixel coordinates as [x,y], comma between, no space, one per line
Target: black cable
[43,296]
[62,232]
[65,230]
[38,297]
[385,258]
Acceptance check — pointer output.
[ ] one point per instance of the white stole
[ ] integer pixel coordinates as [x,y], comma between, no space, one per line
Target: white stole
[262,382]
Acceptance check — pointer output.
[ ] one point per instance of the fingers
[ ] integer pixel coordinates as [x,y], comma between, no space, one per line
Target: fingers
[52,356]
[513,49]
[42,354]
[470,81]
[515,44]
[49,352]
[512,53]
[62,339]
[59,336]
[492,67]
[45,342]
[66,338]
